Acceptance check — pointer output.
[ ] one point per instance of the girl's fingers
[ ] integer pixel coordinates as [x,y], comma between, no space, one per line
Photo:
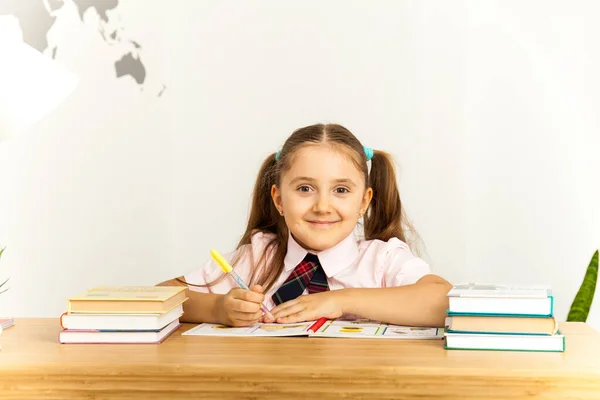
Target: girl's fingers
[293,309]
[257,288]
[245,306]
[242,316]
[297,317]
[283,306]
[265,318]
[250,295]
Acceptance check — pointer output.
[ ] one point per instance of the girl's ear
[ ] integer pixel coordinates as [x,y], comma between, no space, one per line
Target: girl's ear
[366,200]
[276,196]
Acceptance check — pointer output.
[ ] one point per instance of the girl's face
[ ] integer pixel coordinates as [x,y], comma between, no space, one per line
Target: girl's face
[321,196]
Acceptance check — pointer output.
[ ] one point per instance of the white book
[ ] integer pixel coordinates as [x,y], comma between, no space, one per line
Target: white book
[259,329]
[120,322]
[375,330]
[493,299]
[142,337]
[481,341]
[361,329]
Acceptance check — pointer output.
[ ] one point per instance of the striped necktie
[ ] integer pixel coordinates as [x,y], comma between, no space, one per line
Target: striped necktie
[308,274]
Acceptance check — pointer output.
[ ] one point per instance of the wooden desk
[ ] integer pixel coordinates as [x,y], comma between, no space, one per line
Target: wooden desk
[34,365]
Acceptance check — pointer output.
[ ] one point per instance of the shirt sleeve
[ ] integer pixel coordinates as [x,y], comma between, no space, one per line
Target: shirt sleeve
[400,266]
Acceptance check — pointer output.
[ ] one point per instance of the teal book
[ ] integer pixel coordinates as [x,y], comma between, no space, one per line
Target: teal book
[506,342]
[501,300]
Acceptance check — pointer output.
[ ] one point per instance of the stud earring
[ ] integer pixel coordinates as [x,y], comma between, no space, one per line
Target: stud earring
[360,214]
[280,212]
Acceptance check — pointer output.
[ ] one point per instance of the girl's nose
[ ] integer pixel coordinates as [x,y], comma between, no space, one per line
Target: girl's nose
[322,203]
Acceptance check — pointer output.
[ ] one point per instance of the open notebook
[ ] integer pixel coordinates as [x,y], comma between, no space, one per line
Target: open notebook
[322,328]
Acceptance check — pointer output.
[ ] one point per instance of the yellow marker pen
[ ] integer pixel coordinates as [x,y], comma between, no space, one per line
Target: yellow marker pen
[227,268]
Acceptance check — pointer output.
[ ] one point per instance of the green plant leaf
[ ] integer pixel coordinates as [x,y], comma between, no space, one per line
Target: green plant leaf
[583,299]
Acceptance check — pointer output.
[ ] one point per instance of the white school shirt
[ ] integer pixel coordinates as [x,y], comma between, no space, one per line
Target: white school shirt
[350,264]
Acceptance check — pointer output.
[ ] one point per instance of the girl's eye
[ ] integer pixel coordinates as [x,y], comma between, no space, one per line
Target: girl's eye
[341,190]
[304,188]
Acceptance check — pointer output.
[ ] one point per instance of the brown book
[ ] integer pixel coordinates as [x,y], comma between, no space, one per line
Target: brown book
[127,300]
[517,325]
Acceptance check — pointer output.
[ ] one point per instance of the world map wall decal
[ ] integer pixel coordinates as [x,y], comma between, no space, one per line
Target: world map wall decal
[37,17]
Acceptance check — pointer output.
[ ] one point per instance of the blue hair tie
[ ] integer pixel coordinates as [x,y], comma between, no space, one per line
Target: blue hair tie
[277,155]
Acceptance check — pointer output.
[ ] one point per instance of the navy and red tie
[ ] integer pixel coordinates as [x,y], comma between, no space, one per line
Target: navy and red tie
[308,274]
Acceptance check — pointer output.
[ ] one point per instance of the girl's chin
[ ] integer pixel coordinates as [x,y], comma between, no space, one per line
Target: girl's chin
[314,243]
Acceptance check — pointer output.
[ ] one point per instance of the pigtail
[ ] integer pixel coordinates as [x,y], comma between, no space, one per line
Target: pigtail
[384,219]
[265,218]
[263,213]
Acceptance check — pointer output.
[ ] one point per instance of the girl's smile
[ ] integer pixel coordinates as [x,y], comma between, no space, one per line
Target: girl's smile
[323,223]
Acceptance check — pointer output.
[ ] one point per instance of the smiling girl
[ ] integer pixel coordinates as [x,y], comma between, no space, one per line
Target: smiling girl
[300,253]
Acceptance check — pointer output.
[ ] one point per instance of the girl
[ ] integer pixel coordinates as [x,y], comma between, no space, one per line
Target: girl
[299,250]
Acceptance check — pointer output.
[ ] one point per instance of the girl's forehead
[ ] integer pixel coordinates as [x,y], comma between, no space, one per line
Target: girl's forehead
[322,160]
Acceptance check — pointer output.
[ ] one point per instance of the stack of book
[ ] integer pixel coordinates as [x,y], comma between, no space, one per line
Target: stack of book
[123,314]
[497,317]
[6,322]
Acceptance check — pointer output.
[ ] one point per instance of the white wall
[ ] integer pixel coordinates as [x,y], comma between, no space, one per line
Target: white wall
[532,177]
[489,108]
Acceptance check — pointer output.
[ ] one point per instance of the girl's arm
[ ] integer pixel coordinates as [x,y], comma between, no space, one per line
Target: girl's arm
[423,303]
[200,307]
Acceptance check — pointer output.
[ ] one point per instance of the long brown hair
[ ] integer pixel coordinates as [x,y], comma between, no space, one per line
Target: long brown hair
[383,220]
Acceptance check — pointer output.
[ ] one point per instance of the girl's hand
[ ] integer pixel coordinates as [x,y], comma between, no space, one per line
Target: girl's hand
[308,307]
[241,307]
